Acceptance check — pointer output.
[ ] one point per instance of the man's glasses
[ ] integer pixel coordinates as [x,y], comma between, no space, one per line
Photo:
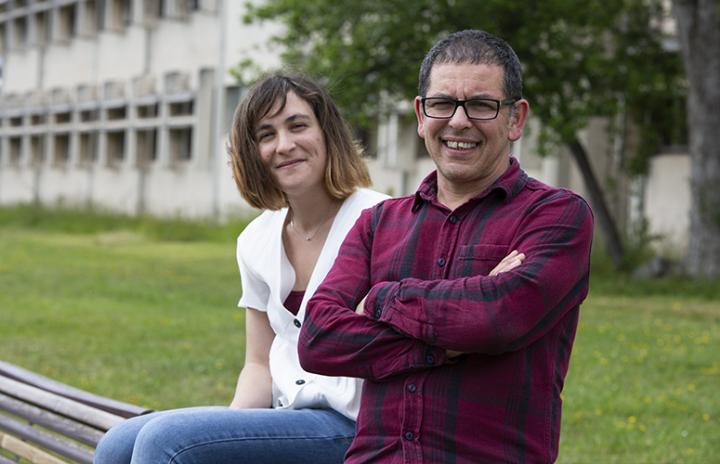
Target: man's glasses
[475,108]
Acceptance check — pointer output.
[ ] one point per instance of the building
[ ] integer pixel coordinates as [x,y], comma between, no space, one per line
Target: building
[114,104]
[124,105]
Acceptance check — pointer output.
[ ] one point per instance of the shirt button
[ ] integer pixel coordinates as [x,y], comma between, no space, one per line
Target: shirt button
[441,261]
[377,313]
[453,219]
[409,435]
[412,388]
[297,323]
[429,359]
[299,382]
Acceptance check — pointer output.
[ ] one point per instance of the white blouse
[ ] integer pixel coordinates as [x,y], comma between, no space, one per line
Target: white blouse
[267,279]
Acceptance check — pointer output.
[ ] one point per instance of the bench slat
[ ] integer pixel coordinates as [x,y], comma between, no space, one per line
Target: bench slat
[75,430]
[4,460]
[29,452]
[61,405]
[114,407]
[45,440]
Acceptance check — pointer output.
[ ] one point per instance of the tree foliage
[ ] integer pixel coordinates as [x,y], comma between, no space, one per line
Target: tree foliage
[581,59]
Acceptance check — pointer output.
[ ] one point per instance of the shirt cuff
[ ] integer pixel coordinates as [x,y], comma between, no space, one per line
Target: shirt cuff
[379,298]
[433,356]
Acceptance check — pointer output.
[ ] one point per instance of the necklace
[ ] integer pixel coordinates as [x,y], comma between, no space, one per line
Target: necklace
[309,237]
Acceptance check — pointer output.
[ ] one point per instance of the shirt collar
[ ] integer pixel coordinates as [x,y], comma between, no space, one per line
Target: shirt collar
[509,184]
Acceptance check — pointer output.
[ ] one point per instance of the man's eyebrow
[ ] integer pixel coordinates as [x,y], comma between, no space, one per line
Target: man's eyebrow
[483,95]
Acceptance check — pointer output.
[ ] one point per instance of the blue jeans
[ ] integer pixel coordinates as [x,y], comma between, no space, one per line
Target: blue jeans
[221,435]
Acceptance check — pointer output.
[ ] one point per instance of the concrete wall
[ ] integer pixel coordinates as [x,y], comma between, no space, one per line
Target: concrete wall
[667,202]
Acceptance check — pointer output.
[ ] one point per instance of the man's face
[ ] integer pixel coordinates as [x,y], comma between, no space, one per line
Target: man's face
[469,154]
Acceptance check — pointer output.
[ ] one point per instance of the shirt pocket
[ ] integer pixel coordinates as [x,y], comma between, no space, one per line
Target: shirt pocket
[480,259]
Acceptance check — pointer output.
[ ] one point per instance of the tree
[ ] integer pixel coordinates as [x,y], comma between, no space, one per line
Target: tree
[698,24]
[581,59]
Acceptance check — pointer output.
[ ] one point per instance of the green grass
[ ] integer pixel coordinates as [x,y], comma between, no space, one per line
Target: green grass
[109,307]
[144,311]
[643,382]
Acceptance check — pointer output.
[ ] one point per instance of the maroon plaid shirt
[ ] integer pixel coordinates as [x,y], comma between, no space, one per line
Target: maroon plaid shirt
[426,268]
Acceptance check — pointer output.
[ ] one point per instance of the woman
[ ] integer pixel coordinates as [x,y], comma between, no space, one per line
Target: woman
[292,155]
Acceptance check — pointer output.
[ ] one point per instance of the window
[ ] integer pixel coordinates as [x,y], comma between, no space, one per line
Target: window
[115,148]
[38,119]
[117,113]
[118,15]
[3,38]
[42,28]
[88,148]
[148,111]
[20,32]
[146,148]
[184,108]
[37,150]
[152,10]
[61,148]
[63,117]
[180,144]
[89,19]
[15,144]
[89,115]
[66,26]
[368,140]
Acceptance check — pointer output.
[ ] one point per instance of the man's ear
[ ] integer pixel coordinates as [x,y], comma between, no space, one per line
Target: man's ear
[518,118]
[420,118]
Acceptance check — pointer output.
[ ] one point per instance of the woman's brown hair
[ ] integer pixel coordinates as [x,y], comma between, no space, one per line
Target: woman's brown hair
[345,169]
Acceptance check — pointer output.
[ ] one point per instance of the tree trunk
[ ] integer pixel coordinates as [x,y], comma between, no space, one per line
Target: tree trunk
[698,26]
[599,205]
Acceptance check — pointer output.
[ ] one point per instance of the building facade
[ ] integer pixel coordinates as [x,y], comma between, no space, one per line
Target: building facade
[125,105]
[113,104]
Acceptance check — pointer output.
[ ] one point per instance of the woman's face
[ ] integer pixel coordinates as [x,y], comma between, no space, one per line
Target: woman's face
[292,146]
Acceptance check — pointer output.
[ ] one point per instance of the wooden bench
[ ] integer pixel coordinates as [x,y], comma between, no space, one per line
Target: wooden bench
[47,422]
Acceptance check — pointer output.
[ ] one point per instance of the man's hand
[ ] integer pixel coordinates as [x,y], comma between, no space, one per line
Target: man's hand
[511,261]
[361,306]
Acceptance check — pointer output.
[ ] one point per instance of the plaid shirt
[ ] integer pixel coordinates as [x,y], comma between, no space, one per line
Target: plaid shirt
[425,272]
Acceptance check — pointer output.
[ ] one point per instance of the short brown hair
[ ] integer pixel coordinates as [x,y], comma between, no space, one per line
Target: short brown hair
[345,170]
[475,47]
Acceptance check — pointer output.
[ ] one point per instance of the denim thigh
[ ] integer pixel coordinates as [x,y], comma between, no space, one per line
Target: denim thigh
[223,435]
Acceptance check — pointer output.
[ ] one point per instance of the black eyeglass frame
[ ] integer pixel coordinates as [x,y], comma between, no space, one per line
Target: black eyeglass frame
[498,104]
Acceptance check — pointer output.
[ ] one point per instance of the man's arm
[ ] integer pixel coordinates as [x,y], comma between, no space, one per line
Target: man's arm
[496,314]
[334,340]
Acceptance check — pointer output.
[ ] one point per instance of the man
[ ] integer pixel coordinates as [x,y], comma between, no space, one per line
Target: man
[461,364]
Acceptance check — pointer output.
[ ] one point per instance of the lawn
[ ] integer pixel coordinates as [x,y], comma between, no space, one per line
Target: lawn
[145,311]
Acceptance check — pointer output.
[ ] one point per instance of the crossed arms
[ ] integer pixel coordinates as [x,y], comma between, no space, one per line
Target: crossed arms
[414,323]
